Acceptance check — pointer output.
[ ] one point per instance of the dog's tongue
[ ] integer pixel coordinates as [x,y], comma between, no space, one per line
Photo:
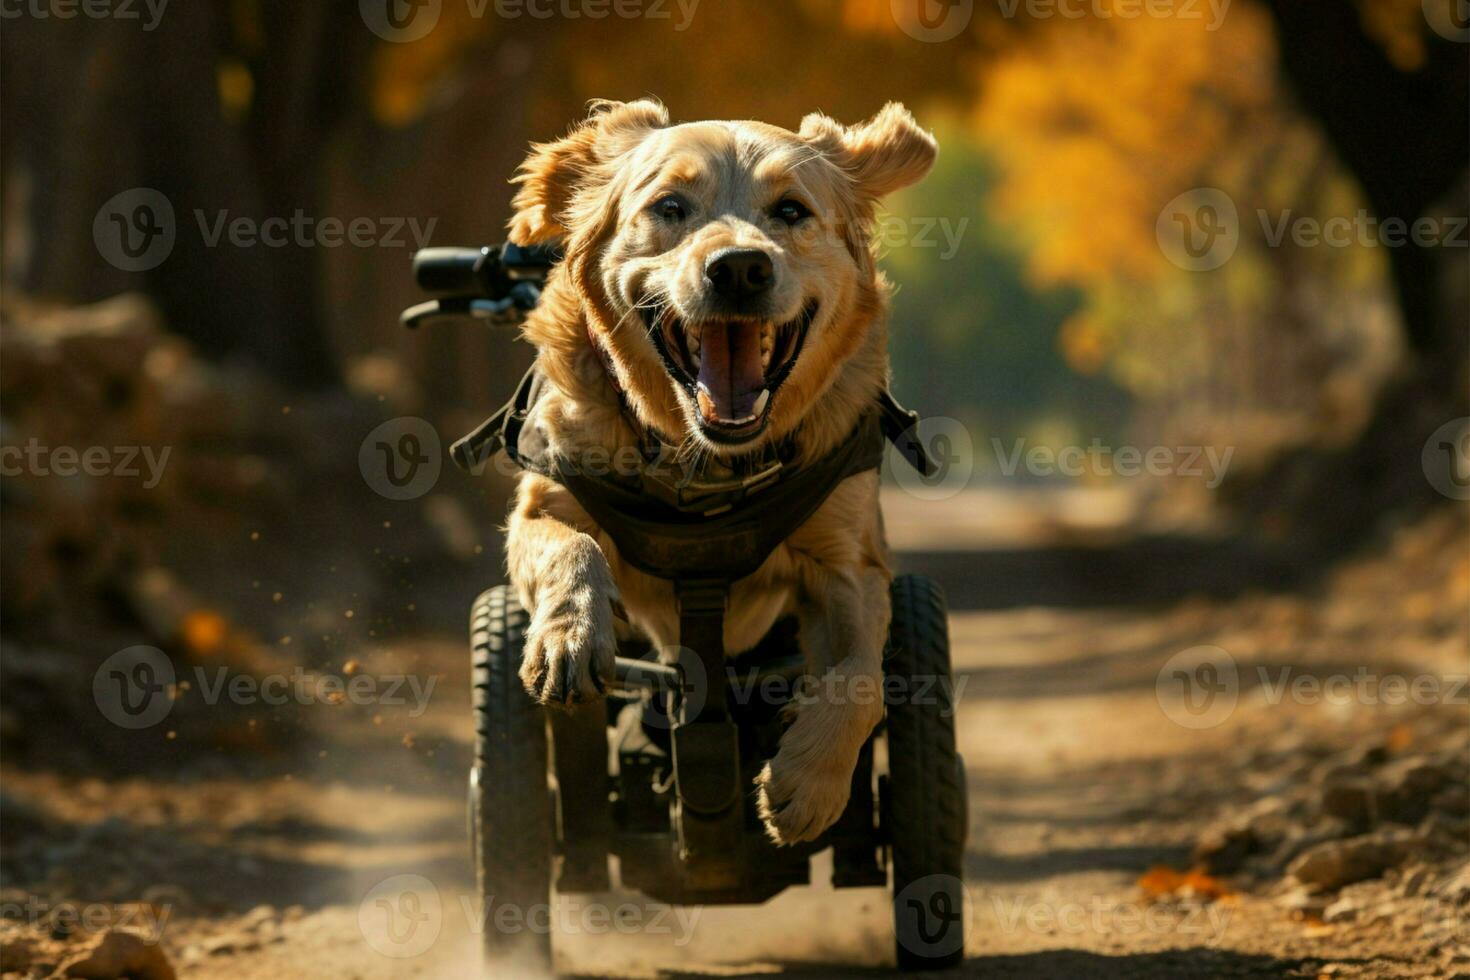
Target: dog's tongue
[730,373]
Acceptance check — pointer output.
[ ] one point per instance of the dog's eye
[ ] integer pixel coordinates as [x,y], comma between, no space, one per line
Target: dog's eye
[670,209]
[791,211]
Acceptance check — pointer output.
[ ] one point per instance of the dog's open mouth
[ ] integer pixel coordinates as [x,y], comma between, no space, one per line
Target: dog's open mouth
[730,368]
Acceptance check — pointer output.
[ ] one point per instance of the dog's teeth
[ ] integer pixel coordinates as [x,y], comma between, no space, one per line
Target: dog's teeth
[706,404]
[760,403]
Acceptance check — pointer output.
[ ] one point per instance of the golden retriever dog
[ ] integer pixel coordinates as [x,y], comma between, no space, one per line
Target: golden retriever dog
[728,237]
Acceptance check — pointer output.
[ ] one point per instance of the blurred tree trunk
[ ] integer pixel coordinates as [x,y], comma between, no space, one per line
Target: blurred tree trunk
[1404,134]
[96,107]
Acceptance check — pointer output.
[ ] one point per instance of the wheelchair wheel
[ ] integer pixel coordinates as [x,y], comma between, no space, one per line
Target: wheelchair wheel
[925,803]
[509,798]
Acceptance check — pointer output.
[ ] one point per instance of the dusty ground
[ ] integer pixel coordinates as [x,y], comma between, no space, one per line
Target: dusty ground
[270,859]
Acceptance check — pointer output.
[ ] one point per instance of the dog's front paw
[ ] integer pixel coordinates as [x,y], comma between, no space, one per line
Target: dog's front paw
[798,801]
[570,647]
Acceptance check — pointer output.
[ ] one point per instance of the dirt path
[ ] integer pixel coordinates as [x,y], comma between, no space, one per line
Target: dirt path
[344,855]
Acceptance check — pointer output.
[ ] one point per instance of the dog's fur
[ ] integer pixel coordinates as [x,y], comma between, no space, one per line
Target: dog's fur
[596,191]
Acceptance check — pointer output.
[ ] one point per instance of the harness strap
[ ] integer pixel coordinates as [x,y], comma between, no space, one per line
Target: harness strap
[501,430]
[669,543]
[702,604]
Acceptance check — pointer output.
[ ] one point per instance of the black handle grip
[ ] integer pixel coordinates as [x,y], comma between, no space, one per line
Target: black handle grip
[450,270]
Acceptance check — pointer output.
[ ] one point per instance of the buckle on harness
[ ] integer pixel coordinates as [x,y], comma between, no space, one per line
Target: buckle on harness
[708,497]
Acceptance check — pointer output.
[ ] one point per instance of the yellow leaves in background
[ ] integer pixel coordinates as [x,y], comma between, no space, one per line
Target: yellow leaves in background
[1098,122]
[1085,342]
[1399,26]
[404,77]
[236,90]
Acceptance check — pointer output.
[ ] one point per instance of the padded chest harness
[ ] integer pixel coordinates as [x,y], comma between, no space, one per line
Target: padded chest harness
[702,530]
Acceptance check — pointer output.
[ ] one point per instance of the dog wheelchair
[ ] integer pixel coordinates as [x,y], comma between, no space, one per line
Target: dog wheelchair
[660,775]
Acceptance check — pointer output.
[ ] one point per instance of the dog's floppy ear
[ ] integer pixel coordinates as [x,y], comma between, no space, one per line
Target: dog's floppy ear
[882,155]
[554,172]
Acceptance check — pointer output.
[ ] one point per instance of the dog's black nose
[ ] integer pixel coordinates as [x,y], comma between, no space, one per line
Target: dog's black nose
[738,273]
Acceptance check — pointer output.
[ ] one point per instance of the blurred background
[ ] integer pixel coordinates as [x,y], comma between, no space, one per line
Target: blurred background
[1185,300]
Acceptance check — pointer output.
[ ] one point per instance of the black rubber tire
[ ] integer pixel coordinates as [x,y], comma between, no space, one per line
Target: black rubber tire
[926,806]
[511,832]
